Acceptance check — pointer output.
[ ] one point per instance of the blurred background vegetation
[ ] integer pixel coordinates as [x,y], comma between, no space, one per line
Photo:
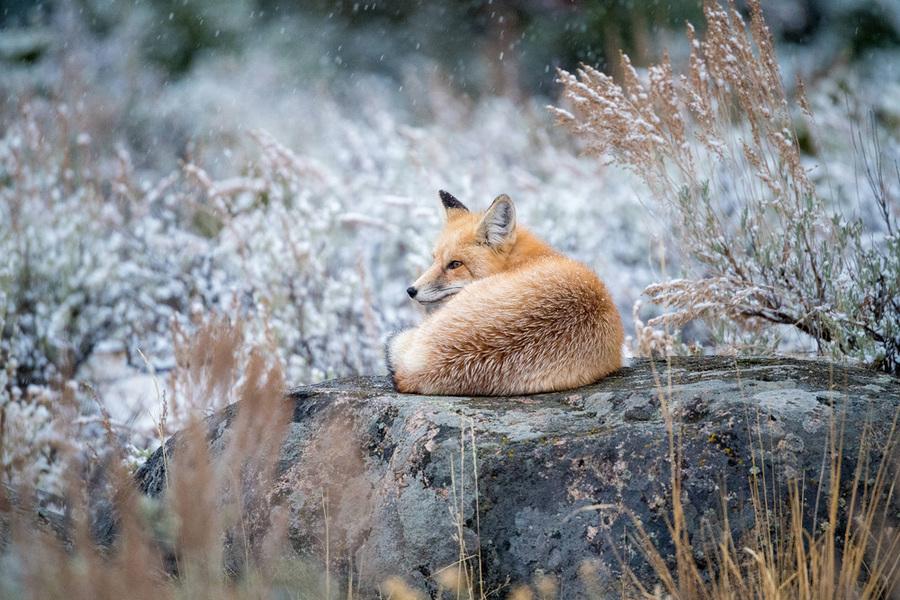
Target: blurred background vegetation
[494,46]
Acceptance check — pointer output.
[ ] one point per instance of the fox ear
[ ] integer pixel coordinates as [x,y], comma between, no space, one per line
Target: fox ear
[498,225]
[451,204]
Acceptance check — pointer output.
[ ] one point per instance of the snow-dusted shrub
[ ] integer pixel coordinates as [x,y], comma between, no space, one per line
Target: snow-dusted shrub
[88,263]
[717,146]
[284,230]
[85,262]
[33,444]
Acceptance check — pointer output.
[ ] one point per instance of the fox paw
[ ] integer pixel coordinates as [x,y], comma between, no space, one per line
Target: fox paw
[400,358]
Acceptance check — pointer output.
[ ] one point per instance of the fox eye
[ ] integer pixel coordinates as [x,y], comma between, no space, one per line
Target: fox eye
[453,264]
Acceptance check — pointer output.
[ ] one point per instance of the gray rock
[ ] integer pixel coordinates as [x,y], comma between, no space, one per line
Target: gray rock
[561,478]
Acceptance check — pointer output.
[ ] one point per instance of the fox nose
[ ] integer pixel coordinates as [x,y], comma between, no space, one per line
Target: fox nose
[412,291]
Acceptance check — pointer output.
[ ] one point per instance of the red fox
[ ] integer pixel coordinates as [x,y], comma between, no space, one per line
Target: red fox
[508,314]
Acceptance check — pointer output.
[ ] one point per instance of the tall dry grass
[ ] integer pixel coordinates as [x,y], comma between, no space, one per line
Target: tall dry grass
[195,539]
[787,555]
[718,148]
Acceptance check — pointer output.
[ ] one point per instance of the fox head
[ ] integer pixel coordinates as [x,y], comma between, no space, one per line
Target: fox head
[471,246]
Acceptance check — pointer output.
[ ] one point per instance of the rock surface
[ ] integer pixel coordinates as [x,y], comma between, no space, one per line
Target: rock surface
[560,477]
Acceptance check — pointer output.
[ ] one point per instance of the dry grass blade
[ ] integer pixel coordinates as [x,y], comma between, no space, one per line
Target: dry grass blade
[850,556]
[206,501]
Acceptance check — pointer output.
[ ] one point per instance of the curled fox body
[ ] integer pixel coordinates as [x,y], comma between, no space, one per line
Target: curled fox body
[507,314]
